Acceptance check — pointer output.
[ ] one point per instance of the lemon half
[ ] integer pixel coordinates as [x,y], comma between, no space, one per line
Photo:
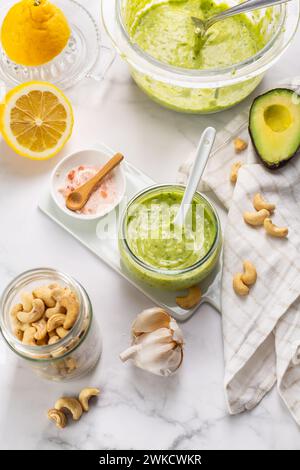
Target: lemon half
[36,120]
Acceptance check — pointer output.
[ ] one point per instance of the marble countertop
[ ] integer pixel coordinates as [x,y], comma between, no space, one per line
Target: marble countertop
[136,410]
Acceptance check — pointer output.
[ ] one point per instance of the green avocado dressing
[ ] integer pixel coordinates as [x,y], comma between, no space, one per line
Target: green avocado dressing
[167,33]
[154,240]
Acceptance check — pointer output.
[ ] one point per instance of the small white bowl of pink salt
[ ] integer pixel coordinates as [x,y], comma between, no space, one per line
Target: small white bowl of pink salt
[75,170]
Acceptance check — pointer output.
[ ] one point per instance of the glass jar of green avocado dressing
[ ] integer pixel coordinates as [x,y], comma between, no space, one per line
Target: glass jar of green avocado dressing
[161,254]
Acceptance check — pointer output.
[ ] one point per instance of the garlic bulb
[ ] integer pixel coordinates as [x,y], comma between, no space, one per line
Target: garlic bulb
[157,344]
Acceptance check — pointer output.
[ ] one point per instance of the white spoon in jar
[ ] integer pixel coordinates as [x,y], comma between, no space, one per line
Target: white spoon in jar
[201,158]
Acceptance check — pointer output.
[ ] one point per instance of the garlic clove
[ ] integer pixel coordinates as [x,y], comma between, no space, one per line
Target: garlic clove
[177,333]
[159,351]
[162,335]
[159,359]
[129,353]
[168,365]
[150,320]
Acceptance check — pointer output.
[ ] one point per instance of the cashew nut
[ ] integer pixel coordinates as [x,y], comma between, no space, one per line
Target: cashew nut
[190,300]
[53,339]
[73,342]
[24,326]
[42,342]
[85,395]
[71,364]
[35,314]
[71,304]
[44,293]
[70,404]
[28,337]
[55,321]
[59,352]
[238,285]
[234,171]
[240,145]
[256,218]
[61,369]
[58,417]
[274,231]
[52,286]
[41,329]
[59,292]
[249,275]
[16,309]
[61,332]
[26,299]
[260,203]
[62,372]
[16,324]
[18,334]
[52,311]
[69,301]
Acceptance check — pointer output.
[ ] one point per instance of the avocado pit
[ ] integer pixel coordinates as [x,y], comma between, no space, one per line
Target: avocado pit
[278,117]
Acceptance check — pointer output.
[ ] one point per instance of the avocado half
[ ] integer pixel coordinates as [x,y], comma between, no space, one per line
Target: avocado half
[274,126]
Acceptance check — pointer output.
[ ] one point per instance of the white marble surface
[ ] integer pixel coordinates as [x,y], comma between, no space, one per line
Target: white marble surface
[136,410]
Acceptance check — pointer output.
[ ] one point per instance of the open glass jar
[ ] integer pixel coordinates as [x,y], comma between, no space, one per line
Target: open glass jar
[203,90]
[187,273]
[70,357]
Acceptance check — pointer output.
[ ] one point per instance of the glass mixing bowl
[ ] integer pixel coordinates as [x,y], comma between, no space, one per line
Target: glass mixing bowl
[200,91]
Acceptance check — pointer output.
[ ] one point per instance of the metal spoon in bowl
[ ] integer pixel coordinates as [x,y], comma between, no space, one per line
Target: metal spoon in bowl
[202,155]
[203,25]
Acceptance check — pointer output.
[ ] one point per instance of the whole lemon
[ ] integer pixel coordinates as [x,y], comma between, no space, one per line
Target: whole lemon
[34,32]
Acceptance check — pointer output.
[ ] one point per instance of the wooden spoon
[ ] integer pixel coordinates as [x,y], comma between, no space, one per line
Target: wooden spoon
[79,197]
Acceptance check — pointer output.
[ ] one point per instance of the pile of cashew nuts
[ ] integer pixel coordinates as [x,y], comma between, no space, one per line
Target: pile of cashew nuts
[239,146]
[71,405]
[45,315]
[261,216]
[263,210]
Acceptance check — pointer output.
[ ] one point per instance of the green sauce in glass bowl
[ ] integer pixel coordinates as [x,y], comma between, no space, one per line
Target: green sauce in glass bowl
[166,32]
[161,254]
[157,39]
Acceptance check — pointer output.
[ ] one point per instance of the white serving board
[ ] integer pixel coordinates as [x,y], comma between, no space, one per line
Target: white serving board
[107,249]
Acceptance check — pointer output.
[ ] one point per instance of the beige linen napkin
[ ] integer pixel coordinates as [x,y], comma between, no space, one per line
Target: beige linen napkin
[261,331]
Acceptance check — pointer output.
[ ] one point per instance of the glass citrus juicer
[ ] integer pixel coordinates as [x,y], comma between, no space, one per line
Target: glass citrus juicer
[84,56]
[199,90]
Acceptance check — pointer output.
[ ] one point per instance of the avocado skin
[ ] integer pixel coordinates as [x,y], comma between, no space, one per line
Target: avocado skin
[282,163]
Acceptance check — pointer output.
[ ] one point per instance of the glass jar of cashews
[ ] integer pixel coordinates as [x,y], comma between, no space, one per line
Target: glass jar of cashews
[47,320]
